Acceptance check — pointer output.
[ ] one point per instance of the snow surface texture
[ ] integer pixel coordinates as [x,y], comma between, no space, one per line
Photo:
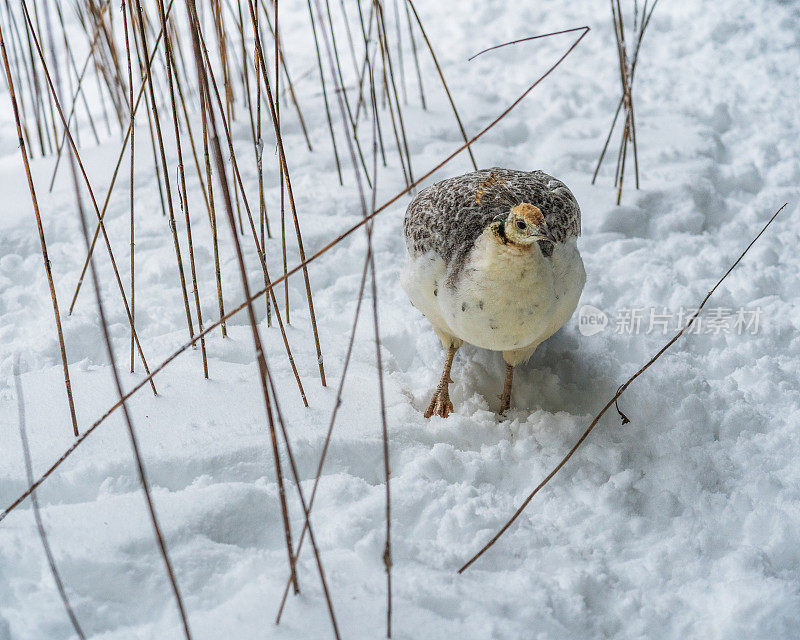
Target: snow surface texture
[683,523]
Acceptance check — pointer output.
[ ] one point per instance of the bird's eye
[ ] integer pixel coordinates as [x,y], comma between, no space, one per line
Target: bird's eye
[521,225]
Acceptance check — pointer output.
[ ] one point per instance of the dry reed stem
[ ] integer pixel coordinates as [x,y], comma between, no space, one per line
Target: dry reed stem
[79,88]
[212,217]
[41,116]
[386,49]
[285,169]
[387,97]
[74,149]
[368,264]
[289,84]
[387,553]
[334,412]
[338,72]
[202,82]
[51,562]
[17,61]
[322,251]
[299,487]
[79,91]
[399,44]
[111,72]
[627,69]
[416,60]
[128,133]
[263,219]
[613,400]
[259,249]
[140,468]
[199,170]
[367,68]
[183,198]
[282,180]
[132,229]
[324,92]
[168,189]
[350,42]
[43,243]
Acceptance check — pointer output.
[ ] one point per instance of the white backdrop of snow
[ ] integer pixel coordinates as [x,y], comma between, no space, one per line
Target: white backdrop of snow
[683,523]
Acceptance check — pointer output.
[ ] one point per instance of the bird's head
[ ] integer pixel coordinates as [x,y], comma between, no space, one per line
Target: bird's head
[525,225]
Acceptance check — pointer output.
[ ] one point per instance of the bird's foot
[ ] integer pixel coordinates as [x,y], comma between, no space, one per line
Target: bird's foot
[440,403]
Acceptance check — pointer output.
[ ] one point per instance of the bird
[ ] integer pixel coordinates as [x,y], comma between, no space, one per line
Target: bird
[493,261]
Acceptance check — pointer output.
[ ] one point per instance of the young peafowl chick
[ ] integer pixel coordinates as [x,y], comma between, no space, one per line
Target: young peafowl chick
[493,261]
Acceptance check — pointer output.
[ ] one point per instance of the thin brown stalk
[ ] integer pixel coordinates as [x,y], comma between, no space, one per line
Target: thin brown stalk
[199,170]
[299,487]
[325,93]
[399,44]
[109,64]
[386,52]
[165,166]
[387,552]
[262,202]
[619,392]
[212,217]
[23,150]
[368,264]
[194,27]
[22,77]
[37,33]
[145,73]
[85,180]
[289,84]
[184,200]
[416,56]
[79,91]
[627,69]
[156,167]
[608,139]
[338,72]
[41,116]
[388,57]
[259,249]
[282,156]
[388,98]
[322,251]
[350,43]
[367,70]
[132,229]
[282,181]
[334,412]
[140,468]
[441,77]
[71,89]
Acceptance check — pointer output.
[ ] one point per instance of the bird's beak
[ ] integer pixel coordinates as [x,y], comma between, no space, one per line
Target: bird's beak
[546,234]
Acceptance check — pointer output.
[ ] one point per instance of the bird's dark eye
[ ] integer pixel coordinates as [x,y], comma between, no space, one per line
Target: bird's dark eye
[521,225]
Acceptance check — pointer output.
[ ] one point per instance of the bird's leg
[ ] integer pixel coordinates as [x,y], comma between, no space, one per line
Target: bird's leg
[505,399]
[440,402]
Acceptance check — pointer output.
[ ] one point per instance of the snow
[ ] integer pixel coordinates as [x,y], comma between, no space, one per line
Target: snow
[683,523]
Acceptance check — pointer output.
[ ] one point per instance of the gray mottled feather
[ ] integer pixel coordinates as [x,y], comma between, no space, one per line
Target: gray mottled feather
[449,216]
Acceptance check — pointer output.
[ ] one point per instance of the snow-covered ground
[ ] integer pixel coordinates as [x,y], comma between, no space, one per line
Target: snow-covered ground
[683,523]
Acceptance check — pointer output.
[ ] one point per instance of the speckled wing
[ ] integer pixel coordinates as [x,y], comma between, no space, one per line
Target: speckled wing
[448,216]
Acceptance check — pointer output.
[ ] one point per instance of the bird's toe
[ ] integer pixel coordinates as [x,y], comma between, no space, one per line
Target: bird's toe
[440,405]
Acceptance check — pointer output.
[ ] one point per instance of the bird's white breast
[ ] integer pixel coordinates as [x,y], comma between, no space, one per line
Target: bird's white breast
[504,297]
